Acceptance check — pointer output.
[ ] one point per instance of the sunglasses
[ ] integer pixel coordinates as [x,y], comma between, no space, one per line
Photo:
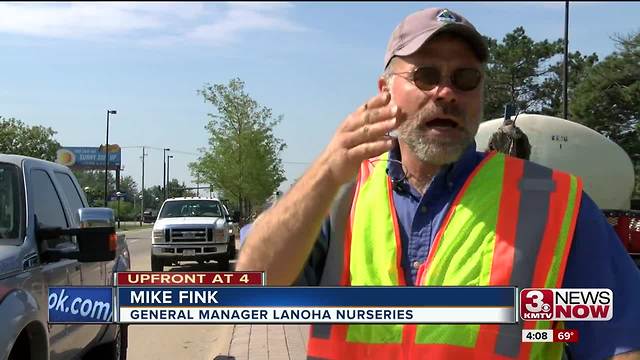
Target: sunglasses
[428,77]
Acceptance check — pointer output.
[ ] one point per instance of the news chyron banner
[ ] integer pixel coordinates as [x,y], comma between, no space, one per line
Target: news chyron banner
[241,297]
[265,305]
[566,304]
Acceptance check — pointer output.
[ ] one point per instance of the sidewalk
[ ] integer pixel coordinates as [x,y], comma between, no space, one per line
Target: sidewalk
[268,342]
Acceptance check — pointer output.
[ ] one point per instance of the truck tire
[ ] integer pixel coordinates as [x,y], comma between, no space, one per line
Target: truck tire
[156,264]
[116,349]
[231,250]
[21,348]
[223,264]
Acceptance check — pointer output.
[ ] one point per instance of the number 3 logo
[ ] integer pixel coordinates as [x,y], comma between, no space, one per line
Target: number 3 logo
[536,299]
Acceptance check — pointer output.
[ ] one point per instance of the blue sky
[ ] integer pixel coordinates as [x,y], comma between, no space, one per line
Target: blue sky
[64,64]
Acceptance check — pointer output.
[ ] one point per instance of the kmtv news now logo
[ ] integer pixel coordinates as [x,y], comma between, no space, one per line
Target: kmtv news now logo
[566,304]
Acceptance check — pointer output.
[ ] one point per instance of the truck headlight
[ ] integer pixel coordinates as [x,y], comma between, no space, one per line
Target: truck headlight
[218,236]
[158,235]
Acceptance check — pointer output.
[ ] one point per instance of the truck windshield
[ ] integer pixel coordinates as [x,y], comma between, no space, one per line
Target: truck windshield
[9,202]
[191,208]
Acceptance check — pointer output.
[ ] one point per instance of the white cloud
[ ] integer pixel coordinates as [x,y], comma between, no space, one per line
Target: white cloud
[260,6]
[556,5]
[76,20]
[243,17]
[155,23]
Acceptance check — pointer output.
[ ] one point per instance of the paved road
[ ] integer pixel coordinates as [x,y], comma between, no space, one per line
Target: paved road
[172,342]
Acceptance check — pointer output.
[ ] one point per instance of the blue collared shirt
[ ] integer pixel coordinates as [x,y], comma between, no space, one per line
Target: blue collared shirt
[597,258]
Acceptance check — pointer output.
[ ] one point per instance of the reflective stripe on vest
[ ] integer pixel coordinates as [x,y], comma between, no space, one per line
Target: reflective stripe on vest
[515,234]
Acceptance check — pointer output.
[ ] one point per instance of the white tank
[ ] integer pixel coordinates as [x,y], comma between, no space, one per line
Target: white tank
[605,168]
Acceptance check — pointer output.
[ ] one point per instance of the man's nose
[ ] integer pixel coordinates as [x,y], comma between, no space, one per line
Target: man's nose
[445,91]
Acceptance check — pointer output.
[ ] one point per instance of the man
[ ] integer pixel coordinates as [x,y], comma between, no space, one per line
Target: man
[427,209]
[511,140]
[244,231]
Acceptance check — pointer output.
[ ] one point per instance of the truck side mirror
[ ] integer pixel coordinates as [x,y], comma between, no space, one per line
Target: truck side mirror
[97,238]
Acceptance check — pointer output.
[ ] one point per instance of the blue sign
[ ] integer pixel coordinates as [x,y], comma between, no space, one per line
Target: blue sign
[89,157]
[80,305]
[318,296]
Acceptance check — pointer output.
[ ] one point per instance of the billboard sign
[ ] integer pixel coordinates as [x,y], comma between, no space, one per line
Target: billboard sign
[89,158]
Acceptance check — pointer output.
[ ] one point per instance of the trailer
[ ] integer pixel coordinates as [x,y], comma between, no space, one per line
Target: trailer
[605,168]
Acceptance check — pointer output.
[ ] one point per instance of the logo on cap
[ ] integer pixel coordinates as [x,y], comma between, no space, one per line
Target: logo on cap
[446,16]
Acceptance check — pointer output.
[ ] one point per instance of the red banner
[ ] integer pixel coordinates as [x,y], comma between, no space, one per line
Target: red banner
[146,278]
[567,335]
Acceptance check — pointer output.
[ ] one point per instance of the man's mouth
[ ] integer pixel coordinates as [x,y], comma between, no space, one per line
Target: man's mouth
[441,122]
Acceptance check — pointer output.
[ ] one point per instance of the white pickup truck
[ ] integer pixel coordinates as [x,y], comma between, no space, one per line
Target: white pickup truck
[192,229]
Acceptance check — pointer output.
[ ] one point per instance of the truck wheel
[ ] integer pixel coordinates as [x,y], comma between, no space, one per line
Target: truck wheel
[224,264]
[232,247]
[156,264]
[115,350]
[121,343]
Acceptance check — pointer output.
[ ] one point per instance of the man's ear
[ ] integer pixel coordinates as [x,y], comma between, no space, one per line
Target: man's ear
[382,84]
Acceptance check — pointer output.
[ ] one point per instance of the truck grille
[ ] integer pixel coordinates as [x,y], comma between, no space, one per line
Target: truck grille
[188,235]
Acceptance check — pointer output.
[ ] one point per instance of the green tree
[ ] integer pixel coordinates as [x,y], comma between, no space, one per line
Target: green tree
[129,187]
[608,99]
[92,183]
[515,72]
[36,141]
[551,95]
[127,212]
[153,197]
[175,189]
[243,159]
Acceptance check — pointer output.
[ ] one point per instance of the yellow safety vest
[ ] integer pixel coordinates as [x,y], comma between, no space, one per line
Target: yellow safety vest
[512,223]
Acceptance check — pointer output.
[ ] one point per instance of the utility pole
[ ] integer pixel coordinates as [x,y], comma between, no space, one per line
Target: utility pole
[198,184]
[142,202]
[168,176]
[164,172]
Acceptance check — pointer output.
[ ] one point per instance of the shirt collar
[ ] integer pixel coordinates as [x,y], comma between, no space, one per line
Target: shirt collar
[451,174]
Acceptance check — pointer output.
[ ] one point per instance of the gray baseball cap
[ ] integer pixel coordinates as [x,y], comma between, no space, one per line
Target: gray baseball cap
[417,28]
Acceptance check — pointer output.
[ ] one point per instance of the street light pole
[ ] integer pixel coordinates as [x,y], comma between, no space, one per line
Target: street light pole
[141,209]
[565,67]
[118,195]
[168,178]
[164,172]
[106,159]
[89,196]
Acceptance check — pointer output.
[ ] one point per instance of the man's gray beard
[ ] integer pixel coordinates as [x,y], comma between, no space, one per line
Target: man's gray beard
[435,151]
